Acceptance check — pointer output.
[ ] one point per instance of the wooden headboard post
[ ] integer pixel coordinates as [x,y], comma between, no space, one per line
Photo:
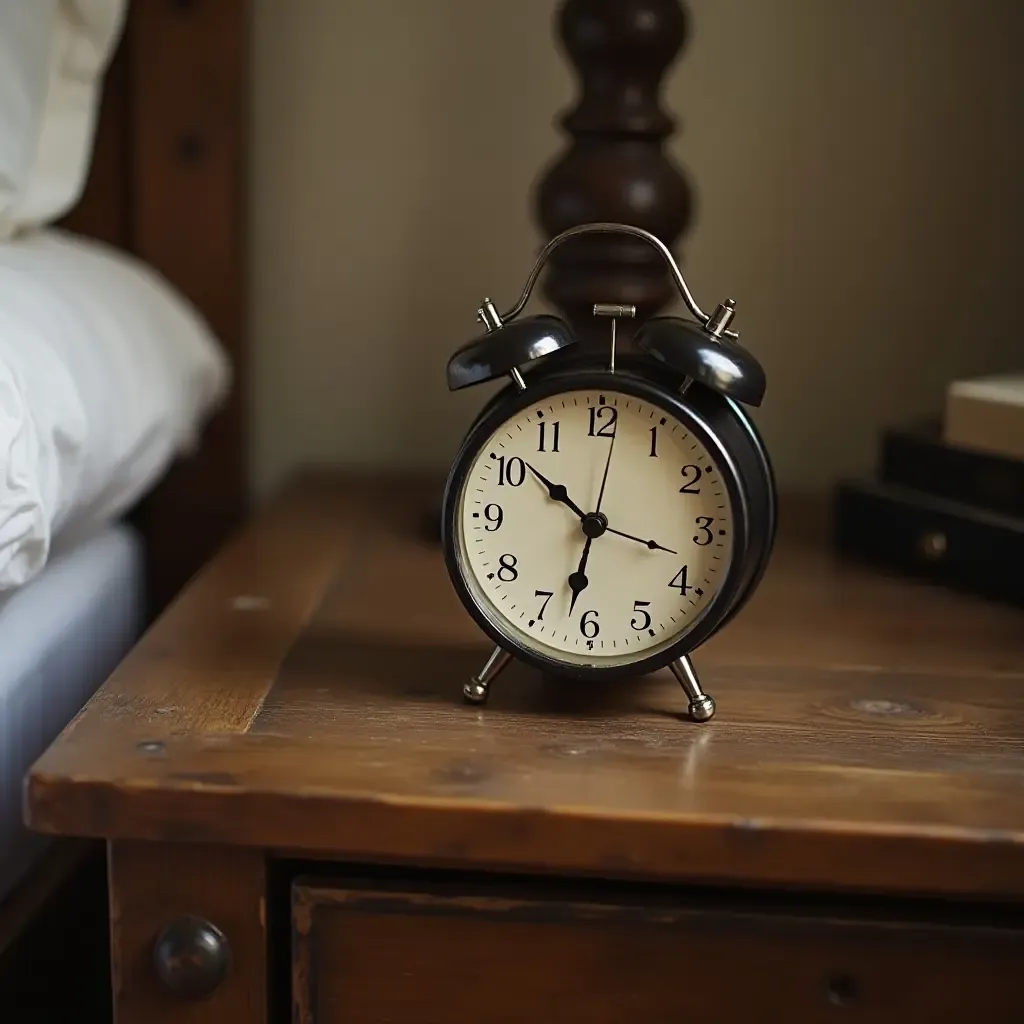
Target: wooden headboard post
[167,183]
[615,167]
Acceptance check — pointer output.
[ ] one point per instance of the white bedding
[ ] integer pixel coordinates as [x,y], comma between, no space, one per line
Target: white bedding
[53,57]
[60,637]
[107,374]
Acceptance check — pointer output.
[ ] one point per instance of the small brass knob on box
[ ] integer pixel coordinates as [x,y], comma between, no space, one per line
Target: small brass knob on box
[192,957]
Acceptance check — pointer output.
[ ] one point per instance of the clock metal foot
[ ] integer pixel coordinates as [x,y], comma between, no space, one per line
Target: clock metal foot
[702,707]
[477,690]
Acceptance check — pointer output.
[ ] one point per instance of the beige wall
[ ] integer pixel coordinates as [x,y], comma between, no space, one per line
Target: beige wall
[858,169]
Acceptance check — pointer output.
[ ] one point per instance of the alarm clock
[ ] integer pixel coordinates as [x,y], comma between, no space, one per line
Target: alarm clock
[604,516]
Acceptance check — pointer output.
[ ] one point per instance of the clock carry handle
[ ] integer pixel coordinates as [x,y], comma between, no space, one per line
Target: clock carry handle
[715,322]
[702,350]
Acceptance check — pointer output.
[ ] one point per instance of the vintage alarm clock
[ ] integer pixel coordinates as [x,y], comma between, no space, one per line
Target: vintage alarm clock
[603,518]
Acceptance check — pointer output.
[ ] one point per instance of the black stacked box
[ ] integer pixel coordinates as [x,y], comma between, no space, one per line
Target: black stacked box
[938,512]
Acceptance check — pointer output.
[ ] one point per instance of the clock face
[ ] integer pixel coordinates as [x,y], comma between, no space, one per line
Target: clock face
[594,528]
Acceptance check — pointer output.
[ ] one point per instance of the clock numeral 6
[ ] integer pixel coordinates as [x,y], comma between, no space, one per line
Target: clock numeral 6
[690,486]
[512,472]
[589,627]
[641,607]
[493,514]
[605,428]
[704,525]
[508,571]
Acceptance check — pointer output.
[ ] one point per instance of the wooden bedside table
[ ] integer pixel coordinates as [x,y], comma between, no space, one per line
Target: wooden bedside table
[301,812]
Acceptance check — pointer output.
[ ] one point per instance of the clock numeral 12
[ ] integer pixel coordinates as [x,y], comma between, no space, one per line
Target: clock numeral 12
[543,436]
[607,428]
[513,472]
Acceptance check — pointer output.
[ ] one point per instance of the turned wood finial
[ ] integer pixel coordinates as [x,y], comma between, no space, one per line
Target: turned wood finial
[615,167]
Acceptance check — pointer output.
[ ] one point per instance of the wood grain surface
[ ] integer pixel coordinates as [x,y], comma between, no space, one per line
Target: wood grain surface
[509,956]
[870,730]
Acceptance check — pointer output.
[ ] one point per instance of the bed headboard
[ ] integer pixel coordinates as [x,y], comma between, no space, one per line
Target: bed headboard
[167,183]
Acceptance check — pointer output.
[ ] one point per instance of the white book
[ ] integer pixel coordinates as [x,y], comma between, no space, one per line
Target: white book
[986,414]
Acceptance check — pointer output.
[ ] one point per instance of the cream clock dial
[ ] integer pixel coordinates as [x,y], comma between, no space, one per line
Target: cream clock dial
[594,528]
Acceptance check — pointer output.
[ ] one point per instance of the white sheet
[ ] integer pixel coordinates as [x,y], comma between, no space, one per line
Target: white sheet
[60,637]
[107,374]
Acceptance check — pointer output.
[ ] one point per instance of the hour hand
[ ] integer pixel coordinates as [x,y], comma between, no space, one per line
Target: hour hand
[578,581]
[557,492]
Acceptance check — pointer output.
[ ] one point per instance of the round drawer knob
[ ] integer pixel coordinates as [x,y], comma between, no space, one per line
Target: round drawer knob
[191,957]
[933,545]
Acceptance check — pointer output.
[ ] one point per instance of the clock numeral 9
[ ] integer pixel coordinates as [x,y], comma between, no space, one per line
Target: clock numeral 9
[508,571]
[589,627]
[606,428]
[493,514]
[690,487]
[543,436]
[704,525]
[512,472]
[641,607]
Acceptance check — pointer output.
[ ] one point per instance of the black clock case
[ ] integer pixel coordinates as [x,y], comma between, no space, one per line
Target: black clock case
[720,423]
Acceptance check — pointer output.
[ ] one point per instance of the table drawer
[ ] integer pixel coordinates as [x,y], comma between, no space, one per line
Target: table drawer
[416,955]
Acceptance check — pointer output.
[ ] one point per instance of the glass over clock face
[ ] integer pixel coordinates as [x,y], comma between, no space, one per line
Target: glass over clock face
[594,528]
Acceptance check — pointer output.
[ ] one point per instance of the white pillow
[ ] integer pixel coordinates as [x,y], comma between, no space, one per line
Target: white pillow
[107,374]
[27,31]
[63,49]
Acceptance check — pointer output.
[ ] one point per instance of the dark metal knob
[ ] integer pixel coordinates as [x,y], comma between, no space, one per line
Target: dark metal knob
[192,957]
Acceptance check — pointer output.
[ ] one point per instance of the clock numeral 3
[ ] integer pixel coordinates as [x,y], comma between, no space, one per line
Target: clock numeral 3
[547,595]
[508,571]
[589,627]
[512,472]
[544,434]
[704,525]
[690,487]
[600,425]
[496,516]
[641,607]
[679,581]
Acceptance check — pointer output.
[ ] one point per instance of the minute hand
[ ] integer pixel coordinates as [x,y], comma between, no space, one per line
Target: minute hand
[607,466]
[653,545]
